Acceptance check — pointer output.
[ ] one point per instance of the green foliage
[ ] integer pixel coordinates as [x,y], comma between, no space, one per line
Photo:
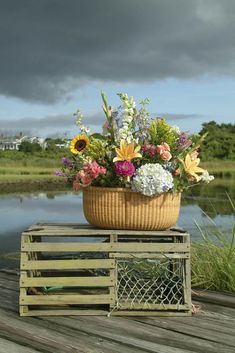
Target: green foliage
[97,149]
[219,142]
[213,259]
[29,147]
[160,132]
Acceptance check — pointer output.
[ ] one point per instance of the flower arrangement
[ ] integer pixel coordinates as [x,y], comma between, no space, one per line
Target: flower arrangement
[134,151]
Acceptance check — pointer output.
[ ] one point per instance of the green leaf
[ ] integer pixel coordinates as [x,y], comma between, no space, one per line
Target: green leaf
[98,136]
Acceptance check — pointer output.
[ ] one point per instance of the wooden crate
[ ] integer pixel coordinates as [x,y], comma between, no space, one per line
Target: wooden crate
[71,269]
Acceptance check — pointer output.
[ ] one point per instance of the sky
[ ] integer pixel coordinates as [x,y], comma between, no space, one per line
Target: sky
[58,55]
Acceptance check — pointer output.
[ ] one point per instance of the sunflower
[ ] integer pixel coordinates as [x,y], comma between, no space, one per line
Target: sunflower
[79,144]
[126,152]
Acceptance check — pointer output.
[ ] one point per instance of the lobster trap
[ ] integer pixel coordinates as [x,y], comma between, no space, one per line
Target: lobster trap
[79,270]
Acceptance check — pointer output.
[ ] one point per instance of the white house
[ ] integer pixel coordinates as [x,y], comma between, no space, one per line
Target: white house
[13,143]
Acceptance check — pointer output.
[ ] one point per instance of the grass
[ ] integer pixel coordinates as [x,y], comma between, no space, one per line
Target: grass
[220,168]
[213,259]
[8,174]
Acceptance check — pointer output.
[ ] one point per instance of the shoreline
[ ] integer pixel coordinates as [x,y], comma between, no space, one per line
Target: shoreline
[32,185]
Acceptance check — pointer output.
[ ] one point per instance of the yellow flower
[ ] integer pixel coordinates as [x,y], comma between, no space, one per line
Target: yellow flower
[191,166]
[79,144]
[126,152]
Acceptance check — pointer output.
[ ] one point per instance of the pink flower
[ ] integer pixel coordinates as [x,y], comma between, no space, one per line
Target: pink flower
[165,156]
[84,177]
[125,168]
[164,150]
[76,185]
[93,169]
[149,149]
[163,147]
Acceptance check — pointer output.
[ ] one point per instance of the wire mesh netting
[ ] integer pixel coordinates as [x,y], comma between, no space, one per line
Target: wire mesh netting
[144,282]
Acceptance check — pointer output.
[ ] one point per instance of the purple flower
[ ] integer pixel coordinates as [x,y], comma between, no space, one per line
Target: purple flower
[66,162]
[59,173]
[183,141]
[125,168]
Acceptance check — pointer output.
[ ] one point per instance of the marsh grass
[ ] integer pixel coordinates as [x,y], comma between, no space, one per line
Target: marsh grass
[213,258]
[223,169]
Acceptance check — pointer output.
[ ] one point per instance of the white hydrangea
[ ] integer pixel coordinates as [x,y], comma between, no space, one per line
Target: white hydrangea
[152,179]
[206,177]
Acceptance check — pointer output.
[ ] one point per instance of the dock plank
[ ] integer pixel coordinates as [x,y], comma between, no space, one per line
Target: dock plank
[211,330]
[12,347]
[123,329]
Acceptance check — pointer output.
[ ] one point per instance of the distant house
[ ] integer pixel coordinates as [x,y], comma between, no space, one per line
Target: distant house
[13,143]
[9,143]
[63,145]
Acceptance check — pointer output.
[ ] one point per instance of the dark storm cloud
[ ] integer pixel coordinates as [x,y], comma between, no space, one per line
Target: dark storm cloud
[50,47]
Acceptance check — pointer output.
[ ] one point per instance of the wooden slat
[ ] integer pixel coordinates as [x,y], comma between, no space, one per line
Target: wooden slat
[145,255]
[66,312]
[65,299]
[150,313]
[97,247]
[79,232]
[114,276]
[103,281]
[137,306]
[71,312]
[67,264]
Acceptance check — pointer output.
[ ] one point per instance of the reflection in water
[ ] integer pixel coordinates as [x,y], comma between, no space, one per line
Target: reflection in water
[17,212]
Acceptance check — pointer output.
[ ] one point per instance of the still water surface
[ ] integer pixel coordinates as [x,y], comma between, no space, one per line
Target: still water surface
[19,211]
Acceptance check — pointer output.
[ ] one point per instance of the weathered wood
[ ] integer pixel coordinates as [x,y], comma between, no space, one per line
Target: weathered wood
[96,247]
[83,230]
[103,281]
[12,347]
[114,244]
[224,299]
[67,264]
[50,337]
[184,328]
[139,335]
[113,275]
[206,323]
[67,312]
[75,336]
[145,307]
[55,299]
[209,331]
[146,255]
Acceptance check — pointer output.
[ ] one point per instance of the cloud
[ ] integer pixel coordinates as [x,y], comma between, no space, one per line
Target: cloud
[58,125]
[50,125]
[170,116]
[51,47]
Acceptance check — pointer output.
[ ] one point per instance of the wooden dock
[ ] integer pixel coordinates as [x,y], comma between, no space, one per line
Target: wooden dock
[210,330]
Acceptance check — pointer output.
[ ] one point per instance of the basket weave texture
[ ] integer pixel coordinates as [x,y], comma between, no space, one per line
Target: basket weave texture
[121,208]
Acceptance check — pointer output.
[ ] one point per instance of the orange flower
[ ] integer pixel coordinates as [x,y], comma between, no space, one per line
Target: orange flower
[126,152]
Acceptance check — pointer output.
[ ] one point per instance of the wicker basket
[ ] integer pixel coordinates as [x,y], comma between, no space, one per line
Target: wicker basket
[120,208]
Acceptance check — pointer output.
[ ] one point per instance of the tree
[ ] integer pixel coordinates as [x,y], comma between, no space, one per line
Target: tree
[220,141]
[29,147]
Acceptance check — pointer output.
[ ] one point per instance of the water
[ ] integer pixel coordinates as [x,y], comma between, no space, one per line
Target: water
[19,211]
